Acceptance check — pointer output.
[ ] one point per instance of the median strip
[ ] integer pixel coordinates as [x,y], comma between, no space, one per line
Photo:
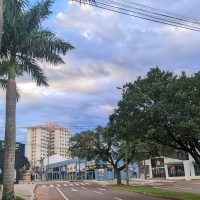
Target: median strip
[165,193]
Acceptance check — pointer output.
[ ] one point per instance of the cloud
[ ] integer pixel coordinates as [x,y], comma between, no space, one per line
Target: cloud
[110,50]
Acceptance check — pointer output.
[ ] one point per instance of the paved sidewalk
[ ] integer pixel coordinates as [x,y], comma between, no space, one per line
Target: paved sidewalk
[23,190]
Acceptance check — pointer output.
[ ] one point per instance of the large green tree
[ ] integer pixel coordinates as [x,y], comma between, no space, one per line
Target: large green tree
[24,43]
[164,108]
[104,144]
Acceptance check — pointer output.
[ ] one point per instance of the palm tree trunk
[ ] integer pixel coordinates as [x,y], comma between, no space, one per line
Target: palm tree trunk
[1,21]
[9,151]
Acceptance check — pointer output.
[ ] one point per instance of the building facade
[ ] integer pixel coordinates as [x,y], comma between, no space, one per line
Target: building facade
[77,169]
[173,168]
[19,157]
[46,140]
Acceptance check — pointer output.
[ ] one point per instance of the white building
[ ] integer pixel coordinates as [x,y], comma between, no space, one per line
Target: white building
[47,140]
[173,169]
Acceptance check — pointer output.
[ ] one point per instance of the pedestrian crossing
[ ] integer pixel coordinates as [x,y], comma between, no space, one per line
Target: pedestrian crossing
[71,185]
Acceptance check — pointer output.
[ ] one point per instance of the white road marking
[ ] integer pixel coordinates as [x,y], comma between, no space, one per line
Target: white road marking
[117,198]
[62,194]
[58,185]
[76,184]
[73,190]
[65,185]
[44,186]
[51,186]
[71,184]
[82,183]
[101,189]
[84,188]
[196,183]
[88,183]
[97,192]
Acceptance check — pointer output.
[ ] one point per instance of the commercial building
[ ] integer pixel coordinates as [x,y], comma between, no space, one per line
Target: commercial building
[19,156]
[46,140]
[76,169]
[173,168]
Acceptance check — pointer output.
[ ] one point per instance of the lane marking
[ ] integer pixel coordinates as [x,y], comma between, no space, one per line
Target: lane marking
[76,184]
[58,185]
[73,190]
[88,183]
[82,183]
[71,184]
[97,192]
[117,198]
[44,186]
[65,185]
[51,186]
[62,194]
[84,188]
[101,189]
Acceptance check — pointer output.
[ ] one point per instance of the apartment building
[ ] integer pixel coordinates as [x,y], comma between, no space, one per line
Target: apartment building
[47,140]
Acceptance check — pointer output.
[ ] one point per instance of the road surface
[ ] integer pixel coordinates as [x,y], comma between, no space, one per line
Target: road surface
[84,191]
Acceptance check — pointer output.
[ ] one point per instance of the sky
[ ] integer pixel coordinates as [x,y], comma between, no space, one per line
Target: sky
[110,50]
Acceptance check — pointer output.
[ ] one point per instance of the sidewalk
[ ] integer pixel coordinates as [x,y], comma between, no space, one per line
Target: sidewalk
[23,190]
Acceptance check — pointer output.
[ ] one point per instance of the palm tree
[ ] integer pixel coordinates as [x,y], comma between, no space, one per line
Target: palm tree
[24,43]
[1,20]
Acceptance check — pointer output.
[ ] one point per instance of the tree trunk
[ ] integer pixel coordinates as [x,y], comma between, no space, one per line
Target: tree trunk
[10,134]
[1,21]
[126,158]
[118,176]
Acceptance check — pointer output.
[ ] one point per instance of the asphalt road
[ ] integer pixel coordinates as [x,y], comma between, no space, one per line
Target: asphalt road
[181,186]
[84,191]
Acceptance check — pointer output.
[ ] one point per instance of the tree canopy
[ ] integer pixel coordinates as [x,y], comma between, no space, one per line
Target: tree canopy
[164,108]
[105,144]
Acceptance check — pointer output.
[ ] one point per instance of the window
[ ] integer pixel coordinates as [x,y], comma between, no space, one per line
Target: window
[176,170]
[197,170]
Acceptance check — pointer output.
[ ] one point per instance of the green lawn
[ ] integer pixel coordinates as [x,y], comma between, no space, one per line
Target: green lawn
[19,198]
[160,192]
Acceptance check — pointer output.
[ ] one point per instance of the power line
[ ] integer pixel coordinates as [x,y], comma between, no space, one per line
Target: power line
[147,13]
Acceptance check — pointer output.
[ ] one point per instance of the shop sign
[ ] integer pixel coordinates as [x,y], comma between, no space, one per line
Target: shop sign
[173,168]
[77,167]
[82,167]
[71,167]
[89,163]
[100,172]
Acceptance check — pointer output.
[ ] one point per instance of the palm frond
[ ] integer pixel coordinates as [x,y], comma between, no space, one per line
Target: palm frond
[37,14]
[50,46]
[3,83]
[12,9]
[4,68]
[31,67]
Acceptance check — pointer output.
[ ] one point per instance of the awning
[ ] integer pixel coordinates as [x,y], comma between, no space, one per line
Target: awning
[174,163]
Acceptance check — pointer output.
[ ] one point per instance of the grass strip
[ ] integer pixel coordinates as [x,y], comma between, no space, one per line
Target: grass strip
[19,198]
[159,192]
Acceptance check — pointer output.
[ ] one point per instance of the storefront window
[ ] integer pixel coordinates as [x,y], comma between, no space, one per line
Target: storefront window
[176,170]
[197,170]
